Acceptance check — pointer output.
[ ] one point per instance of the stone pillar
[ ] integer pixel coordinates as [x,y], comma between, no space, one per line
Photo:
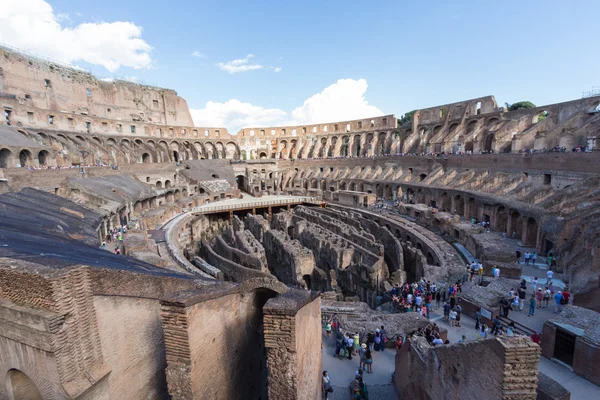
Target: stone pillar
[292,331]
[520,376]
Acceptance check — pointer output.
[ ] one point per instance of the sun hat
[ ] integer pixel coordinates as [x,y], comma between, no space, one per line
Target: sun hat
[364,345]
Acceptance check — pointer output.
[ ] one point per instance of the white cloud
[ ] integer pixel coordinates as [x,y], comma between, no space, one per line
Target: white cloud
[234,115]
[196,53]
[344,100]
[276,69]
[33,25]
[239,65]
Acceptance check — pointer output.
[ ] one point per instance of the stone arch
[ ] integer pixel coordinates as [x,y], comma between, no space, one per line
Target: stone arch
[352,186]
[20,386]
[231,151]
[159,185]
[97,139]
[452,127]
[469,146]
[111,142]
[43,158]
[283,153]
[146,158]
[220,150]
[25,158]
[516,223]
[344,149]
[459,205]
[501,219]
[167,184]
[492,123]
[262,155]
[531,230]
[356,150]
[488,144]
[125,143]
[369,143]
[381,145]
[445,202]
[6,158]
[471,126]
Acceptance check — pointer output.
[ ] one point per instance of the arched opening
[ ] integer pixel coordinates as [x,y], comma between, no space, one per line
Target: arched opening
[459,205]
[43,158]
[5,158]
[24,158]
[241,182]
[501,219]
[429,258]
[445,206]
[469,146]
[20,386]
[175,156]
[167,183]
[159,185]
[487,145]
[531,232]
[215,176]
[422,177]
[262,155]
[515,224]
[307,281]
[146,159]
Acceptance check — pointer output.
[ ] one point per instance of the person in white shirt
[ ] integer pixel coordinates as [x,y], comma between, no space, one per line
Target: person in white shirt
[496,271]
[549,276]
[437,341]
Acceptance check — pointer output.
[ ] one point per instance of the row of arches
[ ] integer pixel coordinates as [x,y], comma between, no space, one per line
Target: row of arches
[25,158]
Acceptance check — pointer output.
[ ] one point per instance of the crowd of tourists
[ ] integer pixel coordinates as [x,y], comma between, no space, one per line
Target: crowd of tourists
[49,167]
[115,235]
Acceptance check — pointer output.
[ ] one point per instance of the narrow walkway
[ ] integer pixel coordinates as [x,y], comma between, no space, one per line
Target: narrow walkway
[342,372]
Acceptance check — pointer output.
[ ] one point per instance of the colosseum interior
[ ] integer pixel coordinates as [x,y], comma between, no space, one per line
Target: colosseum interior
[237,242]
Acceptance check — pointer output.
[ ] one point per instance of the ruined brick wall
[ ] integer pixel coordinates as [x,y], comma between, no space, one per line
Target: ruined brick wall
[502,368]
[287,258]
[293,342]
[232,271]
[235,255]
[215,348]
[133,345]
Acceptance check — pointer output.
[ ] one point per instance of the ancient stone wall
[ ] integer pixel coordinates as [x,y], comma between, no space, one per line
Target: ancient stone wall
[509,366]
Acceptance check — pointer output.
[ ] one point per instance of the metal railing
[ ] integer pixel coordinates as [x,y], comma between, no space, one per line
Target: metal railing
[259,204]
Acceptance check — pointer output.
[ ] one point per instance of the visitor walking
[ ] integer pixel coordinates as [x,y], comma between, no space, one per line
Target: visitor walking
[531,306]
[517,254]
[383,338]
[549,276]
[477,318]
[326,384]
[369,361]
[362,353]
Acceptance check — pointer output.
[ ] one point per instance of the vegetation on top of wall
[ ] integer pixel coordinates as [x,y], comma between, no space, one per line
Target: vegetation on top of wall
[406,118]
[519,105]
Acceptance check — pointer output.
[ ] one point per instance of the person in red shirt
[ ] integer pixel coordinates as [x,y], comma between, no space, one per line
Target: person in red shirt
[566,295]
[536,338]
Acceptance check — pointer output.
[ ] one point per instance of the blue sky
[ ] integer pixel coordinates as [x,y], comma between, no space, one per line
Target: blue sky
[412,54]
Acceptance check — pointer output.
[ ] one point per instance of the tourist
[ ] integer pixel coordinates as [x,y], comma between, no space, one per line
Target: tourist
[536,338]
[477,318]
[496,324]
[328,328]
[518,254]
[539,297]
[483,331]
[326,384]
[549,276]
[458,314]
[383,338]
[437,341]
[453,317]
[533,258]
[361,353]
[527,256]
[514,237]
[369,361]
[339,344]
[399,342]
[371,340]
[510,329]
[438,297]
[496,272]
[377,339]
[349,344]
[534,283]
[549,260]
[566,296]
[356,343]
[463,340]
[117,251]
[522,295]
[103,245]
[531,306]
[557,300]
[446,312]
[547,296]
